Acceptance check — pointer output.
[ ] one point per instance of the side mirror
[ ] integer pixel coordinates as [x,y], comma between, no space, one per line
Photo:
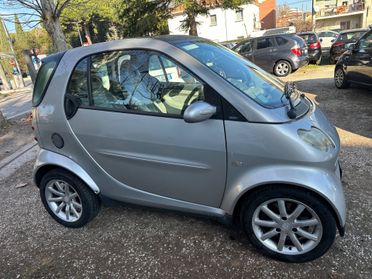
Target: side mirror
[198,112]
[351,46]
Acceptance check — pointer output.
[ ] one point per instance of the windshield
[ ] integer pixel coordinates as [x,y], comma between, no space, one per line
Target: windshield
[254,82]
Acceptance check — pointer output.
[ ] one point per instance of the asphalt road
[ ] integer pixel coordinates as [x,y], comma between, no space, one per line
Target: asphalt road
[129,242]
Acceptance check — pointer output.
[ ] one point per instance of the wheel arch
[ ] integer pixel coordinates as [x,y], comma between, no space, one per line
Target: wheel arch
[251,191]
[48,160]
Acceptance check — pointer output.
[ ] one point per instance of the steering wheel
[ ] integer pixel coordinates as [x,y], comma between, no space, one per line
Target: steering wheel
[193,92]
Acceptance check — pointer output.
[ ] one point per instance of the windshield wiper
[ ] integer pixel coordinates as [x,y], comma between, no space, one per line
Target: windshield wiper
[289,89]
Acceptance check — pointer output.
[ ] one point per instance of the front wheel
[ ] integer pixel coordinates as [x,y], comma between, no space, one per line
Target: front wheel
[282,68]
[288,224]
[340,78]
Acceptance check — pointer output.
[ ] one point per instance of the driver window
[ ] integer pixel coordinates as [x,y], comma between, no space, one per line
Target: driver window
[142,81]
[366,42]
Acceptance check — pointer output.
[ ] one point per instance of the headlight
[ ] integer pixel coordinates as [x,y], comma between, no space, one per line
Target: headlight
[316,138]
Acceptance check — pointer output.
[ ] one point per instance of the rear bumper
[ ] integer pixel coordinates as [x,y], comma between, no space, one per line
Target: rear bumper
[299,62]
[314,55]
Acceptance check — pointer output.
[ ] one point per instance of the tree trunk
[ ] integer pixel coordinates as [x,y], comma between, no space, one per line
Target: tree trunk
[4,79]
[87,33]
[193,31]
[53,26]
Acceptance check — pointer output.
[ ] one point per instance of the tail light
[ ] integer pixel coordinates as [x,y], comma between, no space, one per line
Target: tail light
[338,44]
[296,51]
[314,45]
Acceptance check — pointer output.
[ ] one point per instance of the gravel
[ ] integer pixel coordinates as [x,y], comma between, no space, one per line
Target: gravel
[130,242]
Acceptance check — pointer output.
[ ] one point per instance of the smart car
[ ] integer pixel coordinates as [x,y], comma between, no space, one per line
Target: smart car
[182,123]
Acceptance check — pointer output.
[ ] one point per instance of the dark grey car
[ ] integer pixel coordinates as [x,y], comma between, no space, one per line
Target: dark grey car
[278,54]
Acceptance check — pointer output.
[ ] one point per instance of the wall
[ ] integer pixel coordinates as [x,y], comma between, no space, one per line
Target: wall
[227,27]
[356,21]
[267,13]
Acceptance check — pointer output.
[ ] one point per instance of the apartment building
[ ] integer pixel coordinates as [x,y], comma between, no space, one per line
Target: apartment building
[342,14]
[220,24]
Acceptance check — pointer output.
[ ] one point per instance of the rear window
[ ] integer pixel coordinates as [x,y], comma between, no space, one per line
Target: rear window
[44,76]
[352,36]
[309,38]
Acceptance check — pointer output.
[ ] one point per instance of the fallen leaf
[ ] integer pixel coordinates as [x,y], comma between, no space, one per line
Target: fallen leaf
[20,185]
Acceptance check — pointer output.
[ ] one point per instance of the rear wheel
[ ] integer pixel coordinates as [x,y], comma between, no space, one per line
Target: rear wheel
[288,224]
[282,68]
[340,78]
[67,199]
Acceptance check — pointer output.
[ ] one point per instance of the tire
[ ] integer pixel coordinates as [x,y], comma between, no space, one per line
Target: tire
[253,220]
[319,61]
[77,196]
[340,78]
[282,68]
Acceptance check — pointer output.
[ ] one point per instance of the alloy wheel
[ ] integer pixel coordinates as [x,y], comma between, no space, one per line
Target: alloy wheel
[63,200]
[287,226]
[339,77]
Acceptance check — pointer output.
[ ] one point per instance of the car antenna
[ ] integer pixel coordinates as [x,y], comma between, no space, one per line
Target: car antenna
[289,88]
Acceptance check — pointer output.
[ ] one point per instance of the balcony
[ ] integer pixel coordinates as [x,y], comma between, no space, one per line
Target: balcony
[334,11]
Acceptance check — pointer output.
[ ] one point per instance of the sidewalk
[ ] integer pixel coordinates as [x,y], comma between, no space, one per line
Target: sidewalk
[17,102]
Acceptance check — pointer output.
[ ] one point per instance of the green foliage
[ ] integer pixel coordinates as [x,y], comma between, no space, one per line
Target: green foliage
[4,47]
[143,17]
[39,38]
[20,43]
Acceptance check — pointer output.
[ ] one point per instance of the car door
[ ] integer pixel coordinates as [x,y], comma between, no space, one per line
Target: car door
[132,126]
[359,64]
[263,54]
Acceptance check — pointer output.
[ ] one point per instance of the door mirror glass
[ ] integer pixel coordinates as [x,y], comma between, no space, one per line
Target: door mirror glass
[198,112]
[351,46]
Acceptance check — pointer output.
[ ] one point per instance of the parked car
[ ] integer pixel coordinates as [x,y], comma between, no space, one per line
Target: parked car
[313,45]
[229,45]
[223,139]
[327,38]
[343,40]
[278,54]
[355,65]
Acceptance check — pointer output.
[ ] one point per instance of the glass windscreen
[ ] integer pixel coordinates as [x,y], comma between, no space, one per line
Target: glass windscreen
[251,80]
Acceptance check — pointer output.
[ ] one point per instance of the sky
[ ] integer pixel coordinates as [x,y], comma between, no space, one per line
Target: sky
[299,4]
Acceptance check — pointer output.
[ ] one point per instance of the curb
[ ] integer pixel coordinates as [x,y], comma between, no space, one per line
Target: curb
[4,162]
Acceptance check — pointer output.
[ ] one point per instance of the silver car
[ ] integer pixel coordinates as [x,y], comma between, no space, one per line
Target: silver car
[182,123]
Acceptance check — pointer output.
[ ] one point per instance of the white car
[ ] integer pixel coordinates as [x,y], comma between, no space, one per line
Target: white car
[327,38]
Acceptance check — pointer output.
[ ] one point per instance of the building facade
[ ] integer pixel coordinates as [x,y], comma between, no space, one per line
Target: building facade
[221,24]
[267,13]
[342,14]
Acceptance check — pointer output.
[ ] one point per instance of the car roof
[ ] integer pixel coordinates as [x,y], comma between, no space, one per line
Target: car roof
[353,30]
[306,33]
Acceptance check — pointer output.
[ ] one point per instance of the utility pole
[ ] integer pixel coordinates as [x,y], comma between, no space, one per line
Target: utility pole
[13,53]
[312,15]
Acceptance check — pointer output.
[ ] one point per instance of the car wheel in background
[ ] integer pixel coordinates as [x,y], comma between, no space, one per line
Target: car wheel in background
[288,224]
[282,68]
[340,78]
[67,199]
[319,61]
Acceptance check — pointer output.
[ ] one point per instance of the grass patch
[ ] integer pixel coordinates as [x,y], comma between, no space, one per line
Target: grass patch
[2,96]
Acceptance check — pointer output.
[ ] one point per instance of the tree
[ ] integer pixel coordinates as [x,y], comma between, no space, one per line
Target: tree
[5,68]
[94,17]
[143,17]
[193,8]
[20,43]
[49,12]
